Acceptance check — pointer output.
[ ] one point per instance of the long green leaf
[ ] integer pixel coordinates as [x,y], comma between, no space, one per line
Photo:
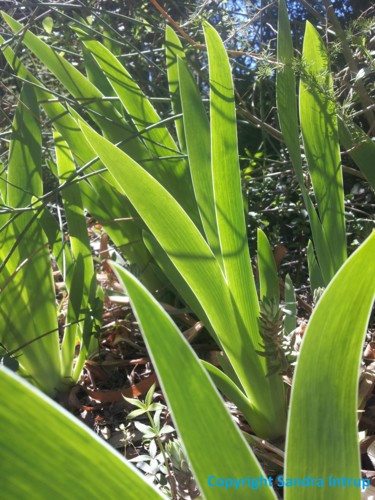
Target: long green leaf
[320,137]
[181,240]
[101,111]
[24,314]
[215,447]
[182,288]
[322,438]
[288,117]
[286,91]
[232,228]
[227,184]
[47,453]
[173,51]
[196,124]
[315,275]
[59,247]
[290,322]
[100,198]
[82,290]
[195,261]
[141,111]
[229,389]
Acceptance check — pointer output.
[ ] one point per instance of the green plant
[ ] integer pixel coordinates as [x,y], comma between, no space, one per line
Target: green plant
[214,447]
[28,313]
[204,252]
[198,238]
[158,466]
[321,143]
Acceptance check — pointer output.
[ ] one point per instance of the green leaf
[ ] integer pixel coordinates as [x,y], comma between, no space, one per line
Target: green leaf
[232,232]
[100,198]
[177,280]
[135,402]
[290,307]
[232,313]
[288,117]
[322,438]
[146,430]
[149,395]
[25,259]
[48,24]
[320,137]
[268,278]
[315,275]
[98,78]
[215,447]
[135,413]
[58,245]
[173,173]
[102,111]
[196,124]
[82,291]
[193,259]
[286,91]
[227,185]
[47,453]
[173,51]
[229,389]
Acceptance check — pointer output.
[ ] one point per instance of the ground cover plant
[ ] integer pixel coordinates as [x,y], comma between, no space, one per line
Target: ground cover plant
[173,204]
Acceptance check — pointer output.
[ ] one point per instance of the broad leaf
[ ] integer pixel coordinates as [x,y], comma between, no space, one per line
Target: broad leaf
[320,138]
[215,447]
[322,439]
[288,117]
[47,453]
